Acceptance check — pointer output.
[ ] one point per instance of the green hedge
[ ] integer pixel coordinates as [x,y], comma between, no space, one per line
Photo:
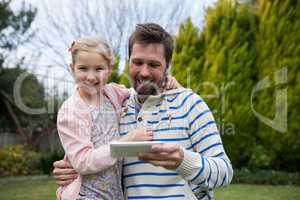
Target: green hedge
[245,64]
[18,160]
[265,177]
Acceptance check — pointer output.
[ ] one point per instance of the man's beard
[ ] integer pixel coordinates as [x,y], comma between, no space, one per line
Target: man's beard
[147,88]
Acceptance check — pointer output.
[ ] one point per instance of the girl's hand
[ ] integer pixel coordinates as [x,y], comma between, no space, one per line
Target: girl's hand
[172,83]
[140,134]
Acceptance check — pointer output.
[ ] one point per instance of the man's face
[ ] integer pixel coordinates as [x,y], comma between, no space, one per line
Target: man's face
[147,68]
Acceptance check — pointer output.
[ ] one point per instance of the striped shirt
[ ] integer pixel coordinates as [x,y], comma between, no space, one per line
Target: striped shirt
[176,116]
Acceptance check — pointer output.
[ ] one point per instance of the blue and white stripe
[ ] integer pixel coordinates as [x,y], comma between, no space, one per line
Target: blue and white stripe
[183,118]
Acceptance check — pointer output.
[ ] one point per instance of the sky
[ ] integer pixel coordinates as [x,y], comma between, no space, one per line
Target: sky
[51,67]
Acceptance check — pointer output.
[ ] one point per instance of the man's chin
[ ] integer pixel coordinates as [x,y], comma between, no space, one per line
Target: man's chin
[147,89]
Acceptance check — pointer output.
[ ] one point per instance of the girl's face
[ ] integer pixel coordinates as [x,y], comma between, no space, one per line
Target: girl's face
[90,71]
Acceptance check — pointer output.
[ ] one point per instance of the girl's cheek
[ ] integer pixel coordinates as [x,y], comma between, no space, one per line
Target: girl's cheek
[104,75]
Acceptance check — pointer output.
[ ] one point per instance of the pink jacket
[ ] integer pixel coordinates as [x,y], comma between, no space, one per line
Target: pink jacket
[74,126]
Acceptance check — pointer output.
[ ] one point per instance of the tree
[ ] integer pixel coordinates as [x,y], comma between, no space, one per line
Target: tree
[124,77]
[220,67]
[114,77]
[278,46]
[188,55]
[14,27]
[114,20]
[15,31]
[242,47]
[31,94]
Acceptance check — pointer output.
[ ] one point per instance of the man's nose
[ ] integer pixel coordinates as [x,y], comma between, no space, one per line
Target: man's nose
[144,71]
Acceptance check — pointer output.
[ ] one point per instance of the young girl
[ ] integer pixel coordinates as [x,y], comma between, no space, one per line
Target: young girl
[88,121]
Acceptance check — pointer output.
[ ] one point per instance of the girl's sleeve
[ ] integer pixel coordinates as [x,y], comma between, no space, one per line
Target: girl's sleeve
[74,133]
[121,92]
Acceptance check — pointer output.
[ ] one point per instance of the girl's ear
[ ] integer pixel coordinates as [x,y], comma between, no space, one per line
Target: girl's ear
[71,67]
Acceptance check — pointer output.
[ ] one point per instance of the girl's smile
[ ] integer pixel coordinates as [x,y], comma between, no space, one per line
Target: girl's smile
[91,71]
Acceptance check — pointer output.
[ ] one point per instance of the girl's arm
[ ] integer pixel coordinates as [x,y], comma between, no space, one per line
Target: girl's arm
[139,134]
[74,133]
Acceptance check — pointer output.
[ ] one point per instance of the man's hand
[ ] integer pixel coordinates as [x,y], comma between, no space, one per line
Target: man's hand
[64,173]
[165,155]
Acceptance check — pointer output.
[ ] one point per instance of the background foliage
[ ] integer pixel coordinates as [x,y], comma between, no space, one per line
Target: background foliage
[240,45]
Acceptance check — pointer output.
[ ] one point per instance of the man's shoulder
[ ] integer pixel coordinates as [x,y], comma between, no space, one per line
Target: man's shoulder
[184,97]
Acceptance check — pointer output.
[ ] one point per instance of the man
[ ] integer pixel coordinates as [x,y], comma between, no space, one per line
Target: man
[191,161]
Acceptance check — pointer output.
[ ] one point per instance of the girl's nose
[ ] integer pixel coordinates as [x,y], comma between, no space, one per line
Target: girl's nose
[91,76]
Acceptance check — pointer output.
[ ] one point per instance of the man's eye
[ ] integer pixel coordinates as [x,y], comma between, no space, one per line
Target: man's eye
[153,65]
[137,62]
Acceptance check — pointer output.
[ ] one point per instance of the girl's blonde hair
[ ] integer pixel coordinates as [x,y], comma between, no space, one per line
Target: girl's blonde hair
[92,44]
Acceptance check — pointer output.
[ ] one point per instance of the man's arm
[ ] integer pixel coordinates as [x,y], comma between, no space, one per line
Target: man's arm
[205,162]
[64,173]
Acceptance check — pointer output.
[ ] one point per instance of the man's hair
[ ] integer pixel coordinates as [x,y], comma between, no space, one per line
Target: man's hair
[92,44]
[150,33]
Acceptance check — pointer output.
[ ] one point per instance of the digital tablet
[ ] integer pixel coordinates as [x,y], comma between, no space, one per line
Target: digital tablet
[130,149]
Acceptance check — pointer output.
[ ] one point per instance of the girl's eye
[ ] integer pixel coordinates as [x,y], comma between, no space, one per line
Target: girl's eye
[99,68]
[82,68]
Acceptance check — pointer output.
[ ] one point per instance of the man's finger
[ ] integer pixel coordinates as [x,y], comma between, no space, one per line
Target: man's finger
[65,177]
[156,156]
[63,171]
[150,156]
[165,164]
[62,164]
[64,183]
[164,148]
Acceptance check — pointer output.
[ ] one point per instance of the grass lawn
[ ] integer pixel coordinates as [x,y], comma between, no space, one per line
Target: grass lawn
[43,188]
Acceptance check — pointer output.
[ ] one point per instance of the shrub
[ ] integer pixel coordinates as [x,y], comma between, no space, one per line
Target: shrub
[265,177]
[260,159]
[47,161]
[18,160]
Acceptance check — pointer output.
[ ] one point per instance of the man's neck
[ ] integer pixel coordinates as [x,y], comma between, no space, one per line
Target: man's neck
[142,98]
